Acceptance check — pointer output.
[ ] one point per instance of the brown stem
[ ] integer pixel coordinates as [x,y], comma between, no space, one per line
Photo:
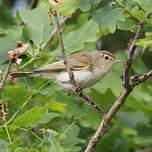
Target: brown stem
[78,90]
[53,33]
[138,79]
[5,75]
[131,55]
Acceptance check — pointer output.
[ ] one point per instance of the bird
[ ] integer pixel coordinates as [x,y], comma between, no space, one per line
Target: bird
[87,67]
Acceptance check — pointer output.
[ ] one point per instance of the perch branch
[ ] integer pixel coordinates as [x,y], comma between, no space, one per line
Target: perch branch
[128,88]
[78,90]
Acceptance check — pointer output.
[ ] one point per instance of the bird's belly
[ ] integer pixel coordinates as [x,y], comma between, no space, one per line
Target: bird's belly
[84,78]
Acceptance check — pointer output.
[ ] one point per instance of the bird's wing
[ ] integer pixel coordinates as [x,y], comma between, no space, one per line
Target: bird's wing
[75,63]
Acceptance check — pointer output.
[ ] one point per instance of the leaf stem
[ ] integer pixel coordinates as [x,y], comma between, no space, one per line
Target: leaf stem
[7,131]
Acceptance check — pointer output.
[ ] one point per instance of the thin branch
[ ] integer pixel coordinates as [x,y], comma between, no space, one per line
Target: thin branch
[102,129]
[78,90]
[135,80]
[54,32]
[5,75]
[128,88]
[131,55]
[127,11]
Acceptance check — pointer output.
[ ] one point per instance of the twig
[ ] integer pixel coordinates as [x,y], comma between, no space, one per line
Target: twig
[128,88]
[5,75]
[78,90]
[127,11]
[135,80]
[54,32]
[131,55]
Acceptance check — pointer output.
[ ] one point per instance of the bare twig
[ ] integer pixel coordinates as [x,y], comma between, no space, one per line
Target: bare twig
[78,90]
[128,87]
[135,80]
[5,75]
[131,55]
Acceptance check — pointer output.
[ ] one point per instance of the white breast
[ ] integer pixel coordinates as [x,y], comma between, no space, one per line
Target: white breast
[84,78]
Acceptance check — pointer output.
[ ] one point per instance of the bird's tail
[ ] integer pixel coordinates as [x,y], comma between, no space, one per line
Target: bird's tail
[21,74]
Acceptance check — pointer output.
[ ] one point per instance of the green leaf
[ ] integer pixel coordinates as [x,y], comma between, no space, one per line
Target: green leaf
[8,42]
[132,119]
[146,5]
[71,139]
[106,99]
[107,18]
[126,25]
[3,145]
[37,23]
[15,96]
[49,116]
[145,42]
[75,40]
[67,7]
[53,105]
[30,118]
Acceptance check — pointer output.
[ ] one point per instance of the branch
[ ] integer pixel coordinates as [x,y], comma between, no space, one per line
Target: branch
[78,90]
[131,55]
[5,75]
[135,80]
[128,88]
[54,32]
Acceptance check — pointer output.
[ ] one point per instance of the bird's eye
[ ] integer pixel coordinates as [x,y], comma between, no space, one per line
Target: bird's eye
[106,57]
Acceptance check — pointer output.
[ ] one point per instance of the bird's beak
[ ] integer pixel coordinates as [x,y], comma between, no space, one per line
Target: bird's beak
[118,61]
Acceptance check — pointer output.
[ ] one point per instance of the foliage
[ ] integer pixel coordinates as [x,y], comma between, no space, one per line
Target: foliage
[43,117]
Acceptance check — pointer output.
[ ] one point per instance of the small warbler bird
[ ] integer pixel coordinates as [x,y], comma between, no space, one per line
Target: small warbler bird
[88,68]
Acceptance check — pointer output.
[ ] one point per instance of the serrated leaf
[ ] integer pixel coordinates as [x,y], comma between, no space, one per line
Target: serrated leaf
[107,18]
[37,23]
[30,118]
